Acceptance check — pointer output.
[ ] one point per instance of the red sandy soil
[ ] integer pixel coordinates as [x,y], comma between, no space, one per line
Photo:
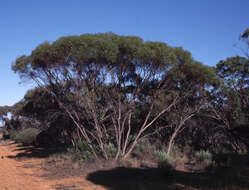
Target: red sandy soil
[24,174]
[29,174]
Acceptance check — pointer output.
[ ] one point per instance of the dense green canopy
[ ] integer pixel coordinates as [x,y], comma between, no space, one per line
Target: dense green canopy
[113,87]
[110,51]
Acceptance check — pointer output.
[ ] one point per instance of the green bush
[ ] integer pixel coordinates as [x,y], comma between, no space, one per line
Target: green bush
[82,145]
[203,156]
[144,147]
[10,134]
[111,150]
[162,156]
[84,149]
[140,148]
[176,152]
[164,162]
[86,152]
[27,136]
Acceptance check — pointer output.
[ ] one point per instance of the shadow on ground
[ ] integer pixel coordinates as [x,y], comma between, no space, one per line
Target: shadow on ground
[124,178]
[149,179]
[35,151]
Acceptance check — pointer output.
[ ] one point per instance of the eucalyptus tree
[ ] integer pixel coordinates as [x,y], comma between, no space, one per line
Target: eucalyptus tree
[231,103]
[101,80]
[193,84]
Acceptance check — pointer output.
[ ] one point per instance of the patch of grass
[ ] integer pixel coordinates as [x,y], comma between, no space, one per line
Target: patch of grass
[144,147]
[203,156]
[66,159]
[162,156]
[164,162]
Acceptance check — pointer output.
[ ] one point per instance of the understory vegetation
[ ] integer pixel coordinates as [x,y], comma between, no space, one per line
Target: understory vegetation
[142,103]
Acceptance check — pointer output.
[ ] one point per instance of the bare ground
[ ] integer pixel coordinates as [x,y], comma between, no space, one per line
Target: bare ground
[25,174]
[25,168]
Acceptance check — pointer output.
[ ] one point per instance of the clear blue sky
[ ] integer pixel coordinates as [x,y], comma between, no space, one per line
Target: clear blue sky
[207,28]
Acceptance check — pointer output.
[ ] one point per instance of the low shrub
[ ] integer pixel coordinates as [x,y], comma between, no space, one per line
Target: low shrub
[9,134]
[84,149]
[203,156]
[27,136]
[82,145]
[111,150]
[144,147]
[164,162]
[162,156]
[176,152]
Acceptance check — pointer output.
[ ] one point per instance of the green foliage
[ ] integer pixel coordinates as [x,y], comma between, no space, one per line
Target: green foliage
[27,136]
[111,150]
[140,148]
[164,162]
[231,101]
[203,156]
[144,147]
[10,134]
[234,70]
[88,155]
[109,70]
[118,51]
[162,156]
[84,149]
[82,145]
